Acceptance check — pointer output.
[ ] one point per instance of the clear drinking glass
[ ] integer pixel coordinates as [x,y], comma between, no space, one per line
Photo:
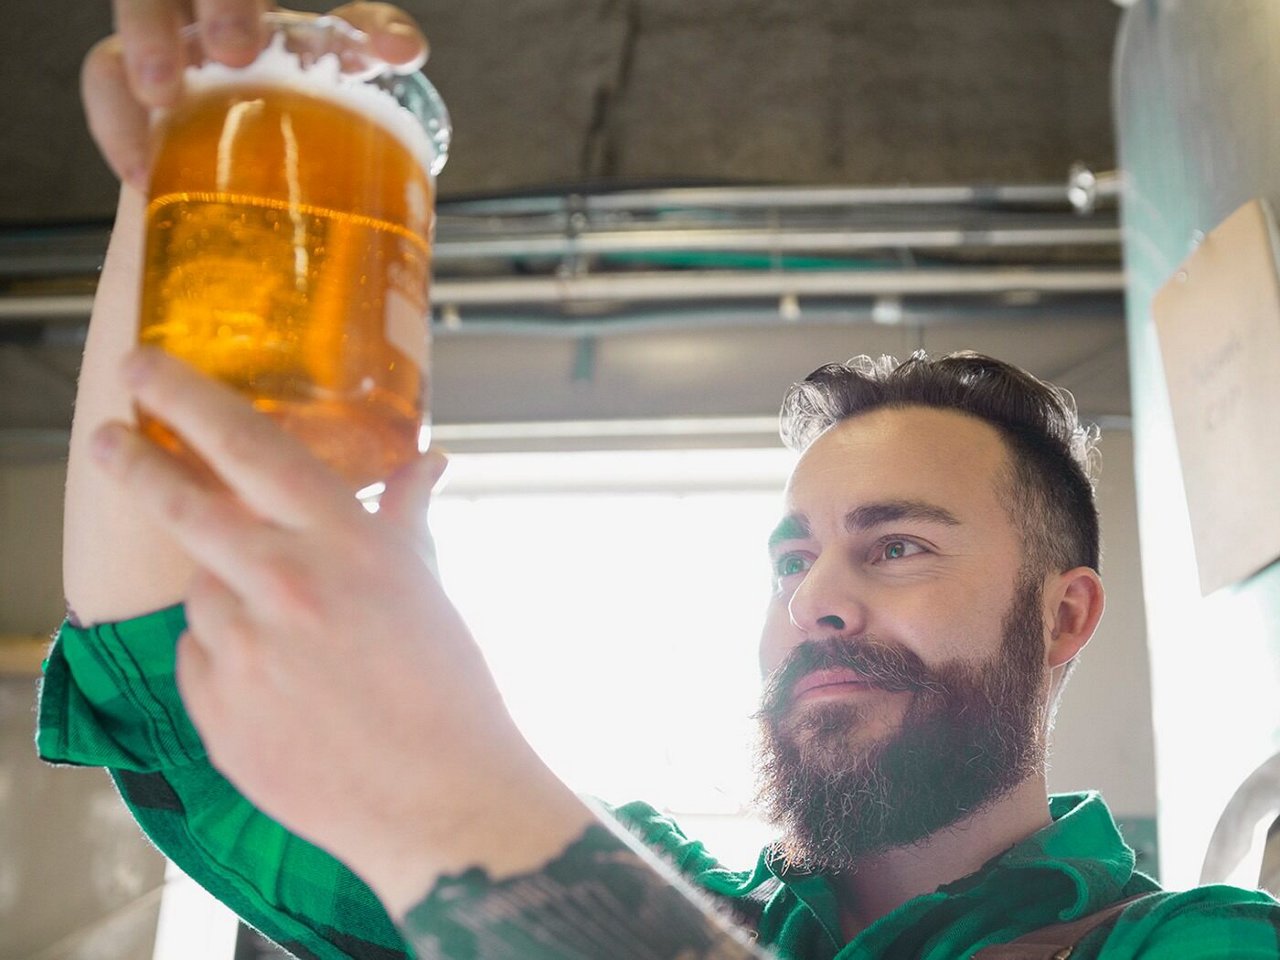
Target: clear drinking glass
[288,239]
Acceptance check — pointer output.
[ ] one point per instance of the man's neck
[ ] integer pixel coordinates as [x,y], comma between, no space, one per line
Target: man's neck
[884,882]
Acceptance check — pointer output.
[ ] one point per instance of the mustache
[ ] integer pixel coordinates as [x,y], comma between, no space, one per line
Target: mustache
[888,666]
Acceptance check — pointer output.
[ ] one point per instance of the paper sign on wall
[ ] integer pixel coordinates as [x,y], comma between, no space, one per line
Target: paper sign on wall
[1218,323]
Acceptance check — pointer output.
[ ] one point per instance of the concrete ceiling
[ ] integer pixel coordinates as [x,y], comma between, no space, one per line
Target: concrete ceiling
[566,91]
[553,93]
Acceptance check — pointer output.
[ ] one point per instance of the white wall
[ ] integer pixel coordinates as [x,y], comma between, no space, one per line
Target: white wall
[77,879]
[1103,739]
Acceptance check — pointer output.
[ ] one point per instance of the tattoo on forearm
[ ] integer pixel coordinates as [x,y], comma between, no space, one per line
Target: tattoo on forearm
[599,900]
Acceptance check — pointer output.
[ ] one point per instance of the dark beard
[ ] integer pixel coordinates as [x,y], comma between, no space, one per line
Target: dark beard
[970,734]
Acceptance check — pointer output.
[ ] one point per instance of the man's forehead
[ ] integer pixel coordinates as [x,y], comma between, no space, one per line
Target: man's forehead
[908,453]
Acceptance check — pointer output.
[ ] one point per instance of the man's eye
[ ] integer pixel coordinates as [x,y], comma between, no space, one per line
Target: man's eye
[898,549]
[789,564]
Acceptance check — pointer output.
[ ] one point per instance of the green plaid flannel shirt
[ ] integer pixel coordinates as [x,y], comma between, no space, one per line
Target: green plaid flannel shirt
[109,699]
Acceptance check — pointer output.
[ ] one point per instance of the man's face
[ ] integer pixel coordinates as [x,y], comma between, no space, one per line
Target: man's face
[904,643]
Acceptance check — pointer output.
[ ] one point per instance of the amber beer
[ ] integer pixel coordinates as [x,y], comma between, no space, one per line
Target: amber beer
[287,254]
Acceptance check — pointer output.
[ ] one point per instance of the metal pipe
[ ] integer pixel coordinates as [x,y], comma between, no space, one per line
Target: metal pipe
[587,429]
[691,285]
[769,241]
[701,285]
[776,197]
[69,308]
[763,314]
[1086,187]
[40,259]
[497,321]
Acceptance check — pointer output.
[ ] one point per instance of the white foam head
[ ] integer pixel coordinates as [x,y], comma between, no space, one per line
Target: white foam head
[281,68]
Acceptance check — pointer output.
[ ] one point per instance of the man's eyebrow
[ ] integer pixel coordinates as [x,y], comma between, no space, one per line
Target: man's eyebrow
[793,526]
[877,514]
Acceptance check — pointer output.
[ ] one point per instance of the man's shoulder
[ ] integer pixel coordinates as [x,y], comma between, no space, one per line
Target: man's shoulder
[1210,897]
[1212,921]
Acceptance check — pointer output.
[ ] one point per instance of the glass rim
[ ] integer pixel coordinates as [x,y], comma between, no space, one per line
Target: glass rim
[357,62]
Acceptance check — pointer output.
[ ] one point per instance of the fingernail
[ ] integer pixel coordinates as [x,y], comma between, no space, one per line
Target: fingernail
[231,32]
[106,443]
[139,366]
[407,48]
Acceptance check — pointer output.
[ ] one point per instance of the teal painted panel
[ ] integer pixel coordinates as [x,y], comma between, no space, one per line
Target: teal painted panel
[1197,96]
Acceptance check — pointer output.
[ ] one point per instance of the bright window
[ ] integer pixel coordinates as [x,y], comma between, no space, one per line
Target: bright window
[618,598]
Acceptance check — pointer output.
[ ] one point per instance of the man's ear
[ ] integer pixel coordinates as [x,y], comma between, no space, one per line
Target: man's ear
[1074,601]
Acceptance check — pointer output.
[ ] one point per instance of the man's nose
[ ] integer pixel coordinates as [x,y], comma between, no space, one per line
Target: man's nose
[828,601]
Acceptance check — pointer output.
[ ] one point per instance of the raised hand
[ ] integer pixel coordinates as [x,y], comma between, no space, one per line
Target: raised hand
[329,676]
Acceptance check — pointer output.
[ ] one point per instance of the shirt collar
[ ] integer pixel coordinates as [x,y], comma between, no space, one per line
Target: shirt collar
[1082,844]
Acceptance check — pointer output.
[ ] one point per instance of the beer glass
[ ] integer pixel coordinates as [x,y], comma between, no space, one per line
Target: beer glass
[288,239]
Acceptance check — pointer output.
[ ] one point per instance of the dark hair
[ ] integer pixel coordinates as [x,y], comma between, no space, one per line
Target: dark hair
[1051,455]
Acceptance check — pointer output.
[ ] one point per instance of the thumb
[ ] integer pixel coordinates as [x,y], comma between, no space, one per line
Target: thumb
[404,503]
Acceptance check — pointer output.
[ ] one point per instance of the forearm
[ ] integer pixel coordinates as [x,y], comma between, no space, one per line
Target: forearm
[599,895]
[496,857]
[116,562]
